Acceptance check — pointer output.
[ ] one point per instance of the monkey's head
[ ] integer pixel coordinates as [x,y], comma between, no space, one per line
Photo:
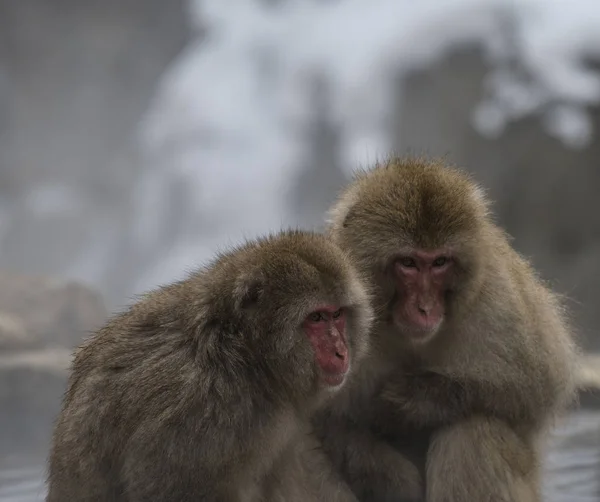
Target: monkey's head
[299,303]
[415,228]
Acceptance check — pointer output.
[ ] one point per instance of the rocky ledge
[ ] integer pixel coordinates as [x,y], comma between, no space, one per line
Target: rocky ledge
[41,321]
[589,381]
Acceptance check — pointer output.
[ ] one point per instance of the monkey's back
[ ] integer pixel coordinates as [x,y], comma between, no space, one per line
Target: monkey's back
[120,383]
[139,384]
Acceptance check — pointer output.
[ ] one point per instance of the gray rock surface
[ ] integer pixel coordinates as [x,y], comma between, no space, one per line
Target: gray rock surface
[589,382]
[42,312]
[41,321]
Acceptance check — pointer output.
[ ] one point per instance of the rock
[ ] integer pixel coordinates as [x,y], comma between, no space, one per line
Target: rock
[13,334]
[321,176]
[589,381]
[31,387]
[41,321]
[38,312]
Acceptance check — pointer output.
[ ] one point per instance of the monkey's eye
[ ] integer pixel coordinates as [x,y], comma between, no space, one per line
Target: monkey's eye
[337,314]
[315,317]
[408,262]
[440,262]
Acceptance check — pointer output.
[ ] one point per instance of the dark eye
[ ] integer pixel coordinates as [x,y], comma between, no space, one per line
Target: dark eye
[315,317]
[440,262]
[337,314]
[407,262]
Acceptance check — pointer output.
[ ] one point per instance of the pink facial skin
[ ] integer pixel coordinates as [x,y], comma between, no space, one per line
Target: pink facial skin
[422,278]
[326,330]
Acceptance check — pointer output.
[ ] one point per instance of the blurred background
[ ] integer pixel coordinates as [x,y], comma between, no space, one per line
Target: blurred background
[138,137]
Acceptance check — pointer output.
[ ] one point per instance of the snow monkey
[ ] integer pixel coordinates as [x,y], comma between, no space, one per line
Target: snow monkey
[204,388]
[468,349]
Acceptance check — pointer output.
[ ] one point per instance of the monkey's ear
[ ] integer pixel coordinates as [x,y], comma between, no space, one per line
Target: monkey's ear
[248,290]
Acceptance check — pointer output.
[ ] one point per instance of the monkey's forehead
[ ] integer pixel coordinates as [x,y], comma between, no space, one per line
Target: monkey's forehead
[294,276]
[424,203]
[416,215]
[299,251]
[288,261]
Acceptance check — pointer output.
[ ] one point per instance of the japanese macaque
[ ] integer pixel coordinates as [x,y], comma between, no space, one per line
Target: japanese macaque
[203,390]
[468,350]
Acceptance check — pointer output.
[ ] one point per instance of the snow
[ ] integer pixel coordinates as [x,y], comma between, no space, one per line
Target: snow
[227,115]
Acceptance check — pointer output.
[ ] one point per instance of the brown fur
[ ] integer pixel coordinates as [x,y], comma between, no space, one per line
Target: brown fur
[488,383]
[203,389]
[305,473]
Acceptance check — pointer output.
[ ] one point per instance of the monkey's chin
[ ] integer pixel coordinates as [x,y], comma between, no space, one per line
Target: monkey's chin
[333,381]
[421,336]
[414,333]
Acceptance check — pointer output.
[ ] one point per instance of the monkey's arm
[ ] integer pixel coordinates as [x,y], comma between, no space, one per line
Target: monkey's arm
[430,399]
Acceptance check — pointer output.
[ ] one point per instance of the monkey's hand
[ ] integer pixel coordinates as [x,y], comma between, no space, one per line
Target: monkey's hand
[430,400]
[424,399]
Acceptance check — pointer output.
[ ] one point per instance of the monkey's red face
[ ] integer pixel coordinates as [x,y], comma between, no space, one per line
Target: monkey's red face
[326,330]
[422,279]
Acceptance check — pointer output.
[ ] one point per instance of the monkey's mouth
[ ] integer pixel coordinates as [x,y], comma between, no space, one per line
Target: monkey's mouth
[336,366]
[333,359]
[417,330]
[425,327]
[335,370]
[333,380]
[418,334]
